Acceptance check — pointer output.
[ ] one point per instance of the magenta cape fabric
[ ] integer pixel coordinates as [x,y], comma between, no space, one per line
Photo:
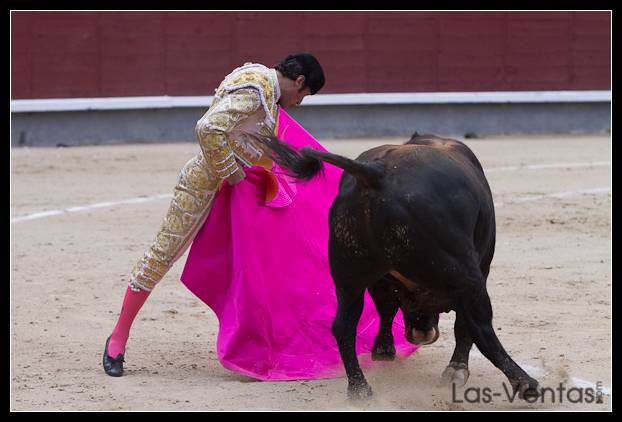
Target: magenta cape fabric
[262,267]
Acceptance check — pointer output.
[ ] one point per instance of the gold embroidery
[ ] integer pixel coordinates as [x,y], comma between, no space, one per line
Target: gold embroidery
[244,92]
[213,128]
[192,201]
[259,77]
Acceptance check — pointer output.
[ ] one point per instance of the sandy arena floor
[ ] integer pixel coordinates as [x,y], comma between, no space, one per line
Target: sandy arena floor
[550,286]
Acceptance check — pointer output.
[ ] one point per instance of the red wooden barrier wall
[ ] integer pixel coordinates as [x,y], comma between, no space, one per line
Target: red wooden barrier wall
[108,54]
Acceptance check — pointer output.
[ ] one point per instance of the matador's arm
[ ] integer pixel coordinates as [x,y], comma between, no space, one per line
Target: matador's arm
[213,128]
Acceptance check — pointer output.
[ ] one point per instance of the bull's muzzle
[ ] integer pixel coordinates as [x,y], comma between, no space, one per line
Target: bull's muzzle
[422,338]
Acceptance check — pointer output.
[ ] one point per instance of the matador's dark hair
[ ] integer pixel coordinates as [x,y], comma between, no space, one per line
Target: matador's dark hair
[304,64]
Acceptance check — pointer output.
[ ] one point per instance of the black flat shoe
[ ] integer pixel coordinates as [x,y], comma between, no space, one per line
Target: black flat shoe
[113,366]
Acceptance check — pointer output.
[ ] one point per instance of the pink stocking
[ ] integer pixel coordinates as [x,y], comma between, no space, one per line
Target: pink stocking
[132,303]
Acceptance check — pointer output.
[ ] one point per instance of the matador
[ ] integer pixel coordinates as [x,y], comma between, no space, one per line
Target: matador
[245,103]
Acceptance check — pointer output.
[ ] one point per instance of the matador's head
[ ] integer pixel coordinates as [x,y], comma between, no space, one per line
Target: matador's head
[299,75]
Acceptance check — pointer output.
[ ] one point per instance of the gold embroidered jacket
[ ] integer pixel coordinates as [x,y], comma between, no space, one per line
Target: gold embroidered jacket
[246,101]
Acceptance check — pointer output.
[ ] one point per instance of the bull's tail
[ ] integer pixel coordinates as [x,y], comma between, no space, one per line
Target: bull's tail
[306,163]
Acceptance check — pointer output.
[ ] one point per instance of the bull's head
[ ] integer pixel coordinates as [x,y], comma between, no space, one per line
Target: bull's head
[420,316]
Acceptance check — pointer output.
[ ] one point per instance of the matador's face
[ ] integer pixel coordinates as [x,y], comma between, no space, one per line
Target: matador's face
[293,94]
[292,99]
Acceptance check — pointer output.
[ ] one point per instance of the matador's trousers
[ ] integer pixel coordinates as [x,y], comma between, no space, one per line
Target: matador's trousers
[191,204]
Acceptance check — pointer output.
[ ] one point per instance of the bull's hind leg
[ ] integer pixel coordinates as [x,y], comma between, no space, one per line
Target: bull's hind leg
[457,372]
[350,303]
[476,311]
[387,303]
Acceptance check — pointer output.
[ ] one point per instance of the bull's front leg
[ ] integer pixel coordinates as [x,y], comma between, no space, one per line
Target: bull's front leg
[477,313]
[385,297]
[349,308]
[457,372]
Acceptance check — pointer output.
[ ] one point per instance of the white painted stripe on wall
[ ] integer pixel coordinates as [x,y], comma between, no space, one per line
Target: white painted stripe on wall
[460,97]
[125,103]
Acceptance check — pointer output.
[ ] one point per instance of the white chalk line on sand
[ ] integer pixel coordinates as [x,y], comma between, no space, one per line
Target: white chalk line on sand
[581,383]
[549,166]
[557,195]
[540,372]
[578,382]
[138,200]
[44,214]
[141,200]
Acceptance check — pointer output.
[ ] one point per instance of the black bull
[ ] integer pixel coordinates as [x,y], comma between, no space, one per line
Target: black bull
[415,225]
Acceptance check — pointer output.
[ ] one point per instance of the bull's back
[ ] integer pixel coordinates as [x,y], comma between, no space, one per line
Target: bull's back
[436,188]
[453,145]
[438,168]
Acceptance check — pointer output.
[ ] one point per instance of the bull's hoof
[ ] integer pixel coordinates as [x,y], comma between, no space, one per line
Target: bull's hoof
[359,392]
[527,389]
[383,352]
[455,373]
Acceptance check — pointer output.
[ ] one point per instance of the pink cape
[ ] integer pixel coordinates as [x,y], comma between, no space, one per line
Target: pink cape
[261,264]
